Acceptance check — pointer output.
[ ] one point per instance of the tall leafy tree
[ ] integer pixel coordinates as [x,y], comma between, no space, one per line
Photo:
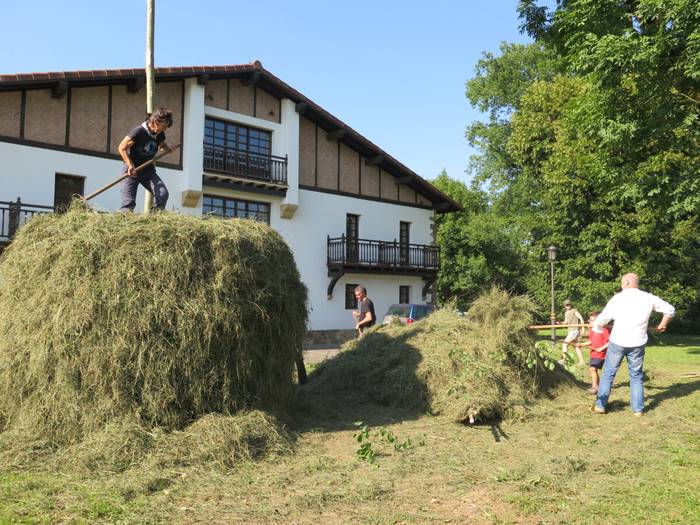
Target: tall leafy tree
[593,144]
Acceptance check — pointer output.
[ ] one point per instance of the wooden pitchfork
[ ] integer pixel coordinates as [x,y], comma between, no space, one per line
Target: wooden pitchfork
[139,168]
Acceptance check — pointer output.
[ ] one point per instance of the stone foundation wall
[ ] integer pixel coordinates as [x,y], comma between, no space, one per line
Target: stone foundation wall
[330,337]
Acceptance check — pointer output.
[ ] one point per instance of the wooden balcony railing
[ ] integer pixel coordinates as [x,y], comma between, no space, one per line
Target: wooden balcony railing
[344,252]
[238,163]
[14,214]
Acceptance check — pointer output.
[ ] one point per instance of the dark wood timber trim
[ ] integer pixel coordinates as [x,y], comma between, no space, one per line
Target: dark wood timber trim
[338,134]
[242,188]
[228,94]
[22,114]
[337,178]
[301,108]
[253,79]
[66,142]
[364,197]
[59,89]
[202,80]
[374,161]
[405,179]
[255,101]
[359,174]
[182,122]
[316,158]
[380,182]
[79,151]
[135,84]
[109,119]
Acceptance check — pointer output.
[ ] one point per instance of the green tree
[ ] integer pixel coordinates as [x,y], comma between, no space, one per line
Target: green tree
[478,248]
[596,149]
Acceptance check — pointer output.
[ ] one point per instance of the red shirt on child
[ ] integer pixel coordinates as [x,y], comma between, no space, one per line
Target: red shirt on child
[598,339]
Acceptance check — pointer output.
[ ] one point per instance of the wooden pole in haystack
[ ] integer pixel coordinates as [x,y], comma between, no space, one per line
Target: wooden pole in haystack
[150,79]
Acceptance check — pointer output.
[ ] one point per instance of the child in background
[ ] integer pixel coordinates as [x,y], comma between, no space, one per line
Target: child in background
[572,317]
[598,342]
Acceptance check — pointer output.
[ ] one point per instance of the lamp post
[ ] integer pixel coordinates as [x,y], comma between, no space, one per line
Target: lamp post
[552,256]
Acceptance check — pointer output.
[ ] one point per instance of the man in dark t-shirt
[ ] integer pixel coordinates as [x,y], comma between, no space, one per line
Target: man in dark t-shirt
[139,146]
[366,317]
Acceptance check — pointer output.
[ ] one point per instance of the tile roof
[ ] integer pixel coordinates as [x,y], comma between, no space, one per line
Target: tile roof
[316,112]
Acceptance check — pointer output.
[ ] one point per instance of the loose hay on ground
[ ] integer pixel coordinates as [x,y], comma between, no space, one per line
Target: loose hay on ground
[115,324]
[483,365]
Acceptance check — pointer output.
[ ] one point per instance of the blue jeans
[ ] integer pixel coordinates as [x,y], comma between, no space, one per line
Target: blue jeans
[148,180]
[635,365]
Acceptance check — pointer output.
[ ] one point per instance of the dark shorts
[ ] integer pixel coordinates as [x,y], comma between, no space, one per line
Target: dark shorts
[597,363]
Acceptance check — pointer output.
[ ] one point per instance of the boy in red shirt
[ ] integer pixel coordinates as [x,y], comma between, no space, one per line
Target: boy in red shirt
[598,341]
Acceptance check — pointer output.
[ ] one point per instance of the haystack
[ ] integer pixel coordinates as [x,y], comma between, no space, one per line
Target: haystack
[156,319]
[478,366]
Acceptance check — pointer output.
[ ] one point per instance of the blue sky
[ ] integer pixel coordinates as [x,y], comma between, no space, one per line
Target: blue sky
[393,70]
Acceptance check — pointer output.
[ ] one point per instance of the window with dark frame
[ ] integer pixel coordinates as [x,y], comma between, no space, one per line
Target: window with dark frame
[352,233]
[350,299]
[404,294]
[65,188]
[404,241]
[242,209]
[237,137]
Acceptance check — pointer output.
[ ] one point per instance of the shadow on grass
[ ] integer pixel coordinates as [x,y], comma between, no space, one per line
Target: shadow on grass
[374,382]
[673,391]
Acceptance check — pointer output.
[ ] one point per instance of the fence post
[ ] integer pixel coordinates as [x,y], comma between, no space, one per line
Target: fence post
[13,211]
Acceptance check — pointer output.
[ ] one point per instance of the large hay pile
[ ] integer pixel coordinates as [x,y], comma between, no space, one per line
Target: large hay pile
[481,366]
[154,320]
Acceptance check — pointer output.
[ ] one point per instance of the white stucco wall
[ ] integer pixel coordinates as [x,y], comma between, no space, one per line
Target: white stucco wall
[322,214]
[29,173]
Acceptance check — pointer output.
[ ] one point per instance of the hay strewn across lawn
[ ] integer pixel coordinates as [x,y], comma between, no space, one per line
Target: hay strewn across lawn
[481,366]
[155,320]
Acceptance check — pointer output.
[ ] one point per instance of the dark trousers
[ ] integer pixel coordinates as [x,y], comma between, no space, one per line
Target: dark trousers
[151,181]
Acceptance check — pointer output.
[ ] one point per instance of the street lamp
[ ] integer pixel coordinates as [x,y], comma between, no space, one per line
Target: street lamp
[552,256]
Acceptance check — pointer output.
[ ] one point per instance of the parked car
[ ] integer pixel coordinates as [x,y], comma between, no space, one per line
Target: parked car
[407,313]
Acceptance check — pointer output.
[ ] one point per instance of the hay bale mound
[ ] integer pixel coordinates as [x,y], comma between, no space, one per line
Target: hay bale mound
[161,318]
[481,366]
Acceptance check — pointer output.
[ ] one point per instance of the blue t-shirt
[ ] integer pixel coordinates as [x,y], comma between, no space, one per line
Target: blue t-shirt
[145,147]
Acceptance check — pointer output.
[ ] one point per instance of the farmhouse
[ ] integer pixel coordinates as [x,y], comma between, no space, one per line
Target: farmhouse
[252,147]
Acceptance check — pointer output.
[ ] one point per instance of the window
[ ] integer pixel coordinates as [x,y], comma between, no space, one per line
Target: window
[65,187]
[404,294]
[404,241]
[350,299]
[232,136]
[352,231]
[227,207]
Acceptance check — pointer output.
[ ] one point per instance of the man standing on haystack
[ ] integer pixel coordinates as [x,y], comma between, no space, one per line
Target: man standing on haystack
[139,146]
[366,317]
[630,309]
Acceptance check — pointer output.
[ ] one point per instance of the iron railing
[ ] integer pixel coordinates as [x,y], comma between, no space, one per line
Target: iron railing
[347,252]
[14,214]
[239,163]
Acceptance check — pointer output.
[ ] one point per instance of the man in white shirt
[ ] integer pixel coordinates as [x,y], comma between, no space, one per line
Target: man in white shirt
[630,309]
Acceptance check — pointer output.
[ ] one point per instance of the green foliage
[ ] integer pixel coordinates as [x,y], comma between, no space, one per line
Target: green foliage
[380,438]
[597,148]
[479,248]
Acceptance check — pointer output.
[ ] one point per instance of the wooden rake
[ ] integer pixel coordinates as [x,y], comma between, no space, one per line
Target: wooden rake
[142,166]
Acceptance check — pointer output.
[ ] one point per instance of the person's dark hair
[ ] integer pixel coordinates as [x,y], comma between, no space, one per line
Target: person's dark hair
[161,115]
[360,288]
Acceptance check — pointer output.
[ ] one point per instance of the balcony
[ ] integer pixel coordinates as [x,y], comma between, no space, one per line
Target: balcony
[243,166]
[14,214]
[370,256]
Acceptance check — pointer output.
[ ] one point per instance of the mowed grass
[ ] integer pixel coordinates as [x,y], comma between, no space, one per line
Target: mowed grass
[559,464]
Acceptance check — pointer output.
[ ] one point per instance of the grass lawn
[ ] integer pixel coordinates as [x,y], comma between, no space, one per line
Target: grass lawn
[560,464]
